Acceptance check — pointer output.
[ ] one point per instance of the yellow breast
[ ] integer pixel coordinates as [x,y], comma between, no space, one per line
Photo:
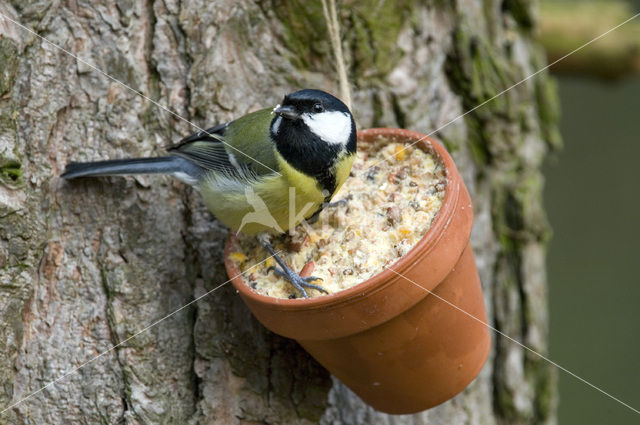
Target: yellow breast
[272,203]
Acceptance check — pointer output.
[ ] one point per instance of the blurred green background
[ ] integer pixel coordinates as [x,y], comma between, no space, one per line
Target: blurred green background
[592,196]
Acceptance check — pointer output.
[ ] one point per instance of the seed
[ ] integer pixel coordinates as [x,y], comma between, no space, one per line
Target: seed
[393,215]
[373,171]
[399,152]
[404,231]
[237,257]
[307,269]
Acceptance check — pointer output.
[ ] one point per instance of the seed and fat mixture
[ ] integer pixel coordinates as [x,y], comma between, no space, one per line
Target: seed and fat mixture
[390,203]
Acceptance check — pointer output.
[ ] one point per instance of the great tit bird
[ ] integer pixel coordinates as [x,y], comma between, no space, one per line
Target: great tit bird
[262,173]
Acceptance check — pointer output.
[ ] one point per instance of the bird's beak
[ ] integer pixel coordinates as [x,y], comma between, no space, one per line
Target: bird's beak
[288,112]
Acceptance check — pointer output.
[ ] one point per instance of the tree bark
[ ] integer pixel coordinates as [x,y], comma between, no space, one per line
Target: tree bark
[86,265]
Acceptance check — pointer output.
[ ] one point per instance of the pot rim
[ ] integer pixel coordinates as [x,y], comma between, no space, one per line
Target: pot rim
[386,276]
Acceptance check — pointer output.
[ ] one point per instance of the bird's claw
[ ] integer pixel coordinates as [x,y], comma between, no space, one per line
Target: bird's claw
[300,282]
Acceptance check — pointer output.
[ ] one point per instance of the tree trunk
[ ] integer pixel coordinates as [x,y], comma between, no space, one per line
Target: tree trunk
[86,265]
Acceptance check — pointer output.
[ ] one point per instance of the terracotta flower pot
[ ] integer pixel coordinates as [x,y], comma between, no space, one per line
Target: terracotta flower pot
[401,349]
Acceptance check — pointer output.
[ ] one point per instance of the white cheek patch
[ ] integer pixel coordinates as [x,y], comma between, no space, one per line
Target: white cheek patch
[333,127]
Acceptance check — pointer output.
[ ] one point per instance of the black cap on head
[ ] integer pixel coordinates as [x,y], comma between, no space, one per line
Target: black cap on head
[305,99]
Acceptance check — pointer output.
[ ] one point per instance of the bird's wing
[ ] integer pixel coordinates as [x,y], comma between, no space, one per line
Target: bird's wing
[235,148]
[212,134]
[210,155]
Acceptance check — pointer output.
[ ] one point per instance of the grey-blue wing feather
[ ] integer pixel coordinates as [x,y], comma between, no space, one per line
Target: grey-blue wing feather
[212,134]
[207,150]
[240,148]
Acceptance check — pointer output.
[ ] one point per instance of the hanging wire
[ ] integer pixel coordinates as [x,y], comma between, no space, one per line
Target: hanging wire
[333,26]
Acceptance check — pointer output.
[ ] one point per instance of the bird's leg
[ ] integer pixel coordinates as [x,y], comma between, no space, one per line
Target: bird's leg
[314,217]
[287,273]
[343,201]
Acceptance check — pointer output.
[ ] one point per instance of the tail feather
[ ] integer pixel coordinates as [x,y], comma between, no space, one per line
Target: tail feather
[179,166]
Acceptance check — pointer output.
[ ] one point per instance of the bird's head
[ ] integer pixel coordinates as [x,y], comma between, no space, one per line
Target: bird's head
[314,118]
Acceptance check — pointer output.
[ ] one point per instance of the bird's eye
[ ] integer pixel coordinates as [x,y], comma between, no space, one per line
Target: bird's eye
[318,107]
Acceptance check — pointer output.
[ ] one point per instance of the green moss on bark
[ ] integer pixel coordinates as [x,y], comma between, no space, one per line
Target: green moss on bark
[546,384]
[375,29]
[522,12]
[549,111]
[481,75]
[10,161]
[8,64]
[370,28]
[305,32]
[10,171]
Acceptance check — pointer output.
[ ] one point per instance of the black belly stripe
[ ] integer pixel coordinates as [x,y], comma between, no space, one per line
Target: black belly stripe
[328,183]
